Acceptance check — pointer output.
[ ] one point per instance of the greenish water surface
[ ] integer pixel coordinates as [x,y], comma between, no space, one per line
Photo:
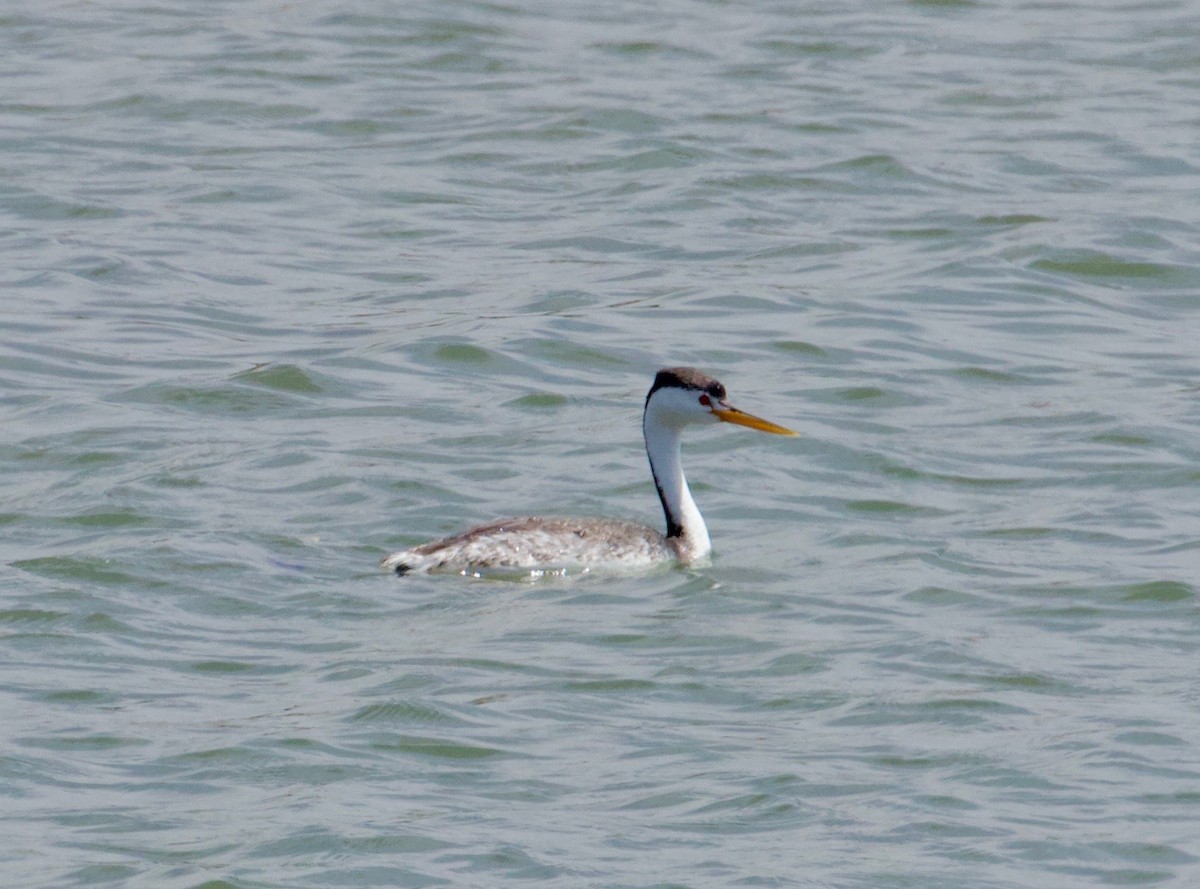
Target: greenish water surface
[290,286]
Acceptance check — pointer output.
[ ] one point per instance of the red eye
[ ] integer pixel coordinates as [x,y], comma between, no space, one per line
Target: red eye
[704,401]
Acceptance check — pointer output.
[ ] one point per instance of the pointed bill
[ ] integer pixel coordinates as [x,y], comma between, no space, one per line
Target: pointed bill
[741,418]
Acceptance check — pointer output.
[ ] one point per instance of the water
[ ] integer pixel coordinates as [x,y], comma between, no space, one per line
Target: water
[290,286]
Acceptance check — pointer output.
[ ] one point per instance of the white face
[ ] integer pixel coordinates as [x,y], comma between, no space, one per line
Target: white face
[676,408]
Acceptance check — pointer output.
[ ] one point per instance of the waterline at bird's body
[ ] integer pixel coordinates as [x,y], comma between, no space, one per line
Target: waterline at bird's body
[535,543]
[680,397]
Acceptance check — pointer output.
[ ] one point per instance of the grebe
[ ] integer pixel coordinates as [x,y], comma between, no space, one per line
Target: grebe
[680,396]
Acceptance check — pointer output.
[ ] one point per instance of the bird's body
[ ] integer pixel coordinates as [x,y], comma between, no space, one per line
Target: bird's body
[680,396]
[535,543]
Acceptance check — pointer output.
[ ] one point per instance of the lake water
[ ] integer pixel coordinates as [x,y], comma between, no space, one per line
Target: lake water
[288,286]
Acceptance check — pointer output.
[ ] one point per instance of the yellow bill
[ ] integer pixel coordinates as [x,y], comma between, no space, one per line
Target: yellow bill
[741,418]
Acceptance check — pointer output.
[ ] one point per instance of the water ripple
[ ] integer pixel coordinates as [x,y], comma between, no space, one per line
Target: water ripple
[289,287]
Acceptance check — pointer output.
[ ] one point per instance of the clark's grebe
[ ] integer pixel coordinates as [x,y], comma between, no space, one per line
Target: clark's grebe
[680,396]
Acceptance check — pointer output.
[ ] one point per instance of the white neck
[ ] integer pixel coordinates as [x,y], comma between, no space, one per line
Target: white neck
[684,522]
